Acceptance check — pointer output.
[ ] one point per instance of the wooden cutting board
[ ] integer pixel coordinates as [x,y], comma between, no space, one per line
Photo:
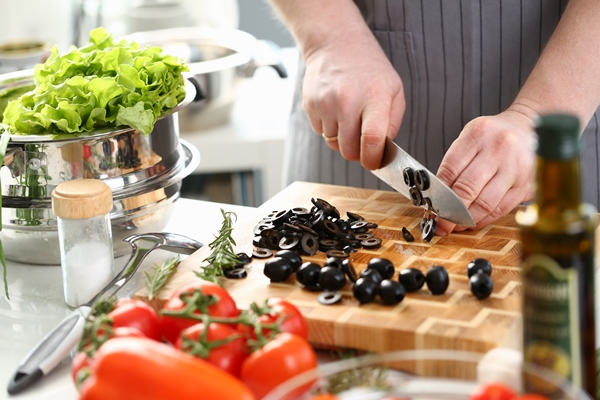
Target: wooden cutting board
[454,320]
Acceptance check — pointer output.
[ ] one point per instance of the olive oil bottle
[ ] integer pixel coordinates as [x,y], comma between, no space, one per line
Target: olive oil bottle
[557,232]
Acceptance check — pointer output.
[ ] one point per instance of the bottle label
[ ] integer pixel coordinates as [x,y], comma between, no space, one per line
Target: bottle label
[551,320]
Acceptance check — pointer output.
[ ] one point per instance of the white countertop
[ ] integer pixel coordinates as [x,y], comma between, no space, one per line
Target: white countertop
[36,302]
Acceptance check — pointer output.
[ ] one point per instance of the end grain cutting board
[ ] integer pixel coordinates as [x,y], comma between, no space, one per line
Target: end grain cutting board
[454,320]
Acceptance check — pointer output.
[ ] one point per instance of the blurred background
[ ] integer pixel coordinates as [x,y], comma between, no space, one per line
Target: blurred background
[240,128]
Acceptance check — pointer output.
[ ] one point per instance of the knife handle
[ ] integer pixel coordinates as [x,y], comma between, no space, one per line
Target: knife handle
[50,351]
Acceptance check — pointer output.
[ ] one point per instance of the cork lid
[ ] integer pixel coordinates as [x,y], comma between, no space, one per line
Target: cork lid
[81,198]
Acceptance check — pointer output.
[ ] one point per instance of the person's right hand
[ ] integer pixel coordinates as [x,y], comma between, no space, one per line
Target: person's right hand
[350,90]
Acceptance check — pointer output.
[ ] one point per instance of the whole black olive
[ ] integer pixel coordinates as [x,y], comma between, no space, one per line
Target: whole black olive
[372,274]
[332,278]
[412,279]
[384,266]
[293,257]
[364,290]
[391,292]
[437,279]
[481,285]
[349,270]
[333,262]
[278,269]
[308,274]
[479,264]
[244,258]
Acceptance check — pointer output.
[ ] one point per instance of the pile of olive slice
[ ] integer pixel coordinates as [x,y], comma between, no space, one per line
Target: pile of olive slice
[308,231]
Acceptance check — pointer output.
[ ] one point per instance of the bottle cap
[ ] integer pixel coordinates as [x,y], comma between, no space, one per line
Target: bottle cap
[81,198]
[558,136]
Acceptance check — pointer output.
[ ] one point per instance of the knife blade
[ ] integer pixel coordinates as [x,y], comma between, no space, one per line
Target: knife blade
[444,202]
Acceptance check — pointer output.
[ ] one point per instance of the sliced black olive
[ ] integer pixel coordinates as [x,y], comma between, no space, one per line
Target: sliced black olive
[332,278]
[309,244]
[407,235]
[479,264]
[391,292]
[359,226]
[384,266]
[273,238]
[337,253]
[330,297]
[329,244]
[301,211]
[261,252]
[415,196]
[363,236]
[371,243]
[292,256]
[372,225]
[412,279]
[422,179]
[437,279]
[364,290]
[282,216]
[317,219]
[481,285]
[331,228]
[235,273]
[291,229]
[258,228]
[409,176]
[244,258]
[309,230]
[349,270]
[354,216]
[289,242]
[308,274]
[428,230]
[278,269]
[372,274]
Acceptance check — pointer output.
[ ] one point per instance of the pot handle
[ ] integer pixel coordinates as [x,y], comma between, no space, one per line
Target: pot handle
[266,54]
[200,90]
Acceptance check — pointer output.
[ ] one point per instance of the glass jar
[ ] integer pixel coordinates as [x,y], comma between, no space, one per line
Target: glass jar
[82,208]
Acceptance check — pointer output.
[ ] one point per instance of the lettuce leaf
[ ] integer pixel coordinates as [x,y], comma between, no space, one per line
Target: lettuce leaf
[102,84]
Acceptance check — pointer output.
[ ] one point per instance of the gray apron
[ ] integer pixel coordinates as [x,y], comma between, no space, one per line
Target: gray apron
[468,63]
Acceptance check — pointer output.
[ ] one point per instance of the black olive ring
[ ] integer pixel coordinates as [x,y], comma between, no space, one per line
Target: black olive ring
[329,298]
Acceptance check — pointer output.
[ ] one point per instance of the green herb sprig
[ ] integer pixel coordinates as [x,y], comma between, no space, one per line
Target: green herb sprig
[4,138]
[161,273]
[222,256]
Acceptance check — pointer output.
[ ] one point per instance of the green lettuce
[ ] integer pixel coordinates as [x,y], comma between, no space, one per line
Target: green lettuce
[103,84]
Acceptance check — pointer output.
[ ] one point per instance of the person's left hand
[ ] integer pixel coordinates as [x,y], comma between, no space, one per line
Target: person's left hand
[491,167]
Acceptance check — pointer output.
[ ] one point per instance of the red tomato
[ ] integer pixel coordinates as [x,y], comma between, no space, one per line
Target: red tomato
[82,360]
[292,319]
[285,356]
[228,356]
[136,314]
[224,307]
[492,391]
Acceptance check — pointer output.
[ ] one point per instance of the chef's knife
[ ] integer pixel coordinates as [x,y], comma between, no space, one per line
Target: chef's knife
[396,170]
[57,343]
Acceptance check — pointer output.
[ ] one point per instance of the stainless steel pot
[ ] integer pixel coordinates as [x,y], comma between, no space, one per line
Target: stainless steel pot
[144,173]
[219,58]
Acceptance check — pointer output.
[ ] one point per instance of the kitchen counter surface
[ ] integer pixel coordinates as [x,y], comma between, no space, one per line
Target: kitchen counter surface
[36,302]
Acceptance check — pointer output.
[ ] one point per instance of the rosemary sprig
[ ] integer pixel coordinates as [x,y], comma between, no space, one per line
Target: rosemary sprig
[4,138]
[222,256]
[157,280]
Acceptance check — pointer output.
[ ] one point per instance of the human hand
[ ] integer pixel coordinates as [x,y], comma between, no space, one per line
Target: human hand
[350,90]
[491,167]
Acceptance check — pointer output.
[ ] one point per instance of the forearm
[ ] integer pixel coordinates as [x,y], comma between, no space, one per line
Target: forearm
[566,77]
[317,23]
